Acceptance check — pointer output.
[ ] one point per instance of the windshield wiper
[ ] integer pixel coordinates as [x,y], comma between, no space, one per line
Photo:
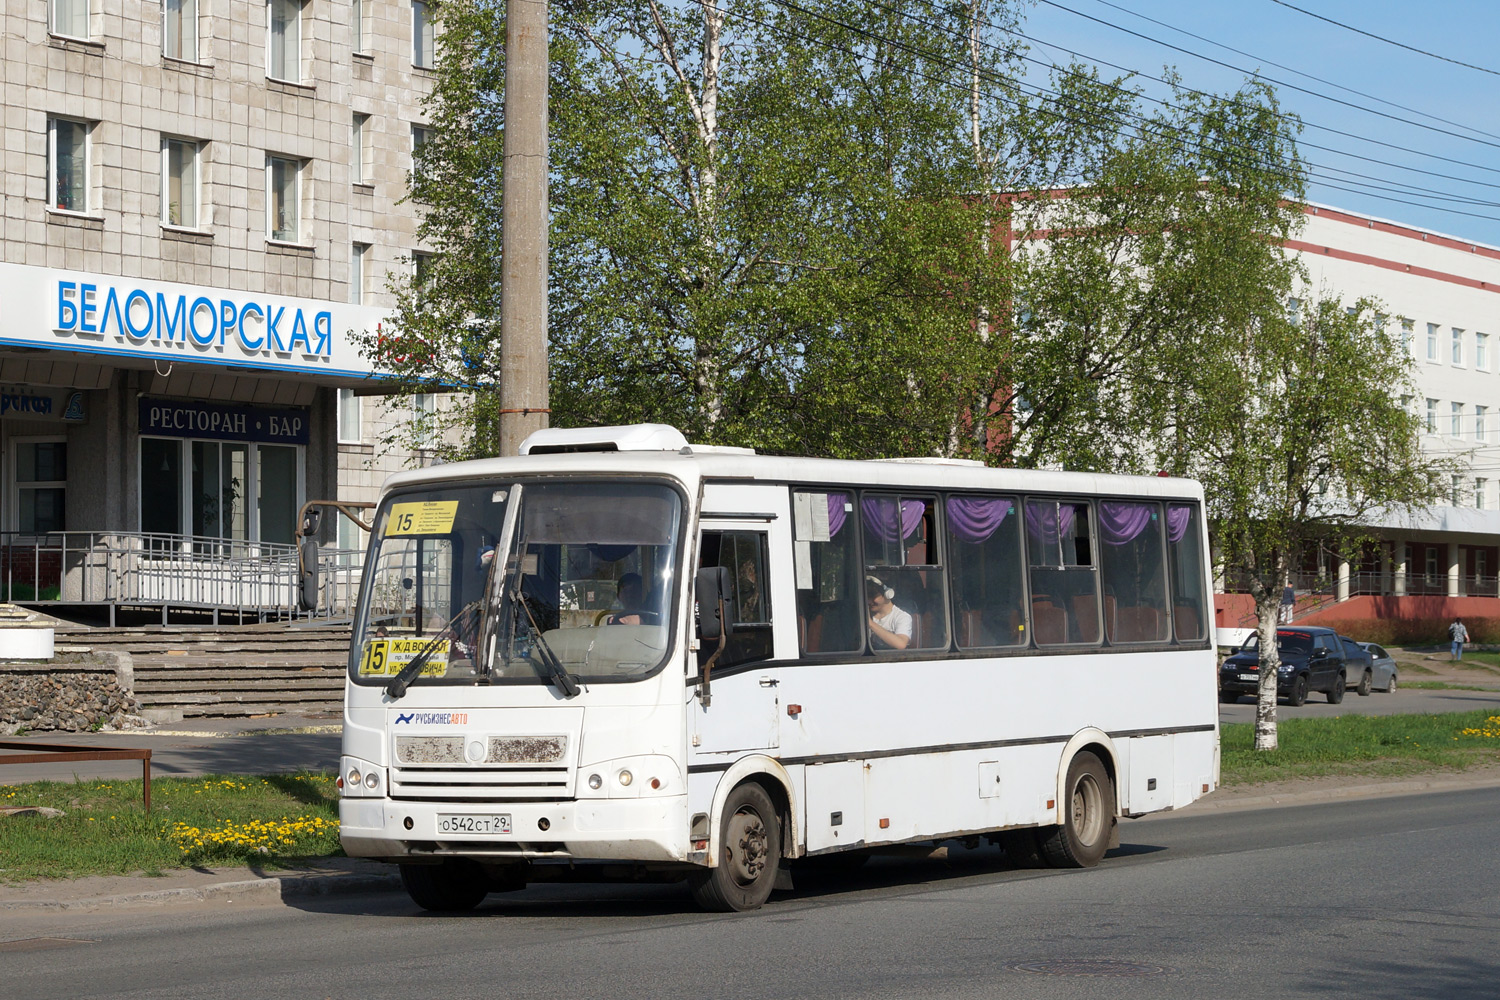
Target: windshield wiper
[399,684]
[555,672]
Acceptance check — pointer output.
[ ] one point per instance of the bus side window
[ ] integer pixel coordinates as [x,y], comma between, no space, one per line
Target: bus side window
[830,592]
[984,553]
[902,565]
[1064,585]
[747,610]
[1185,562]
[1132,569]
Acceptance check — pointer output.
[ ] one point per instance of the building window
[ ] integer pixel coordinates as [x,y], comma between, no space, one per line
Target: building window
[1408,335]
[283,198]
[421,34]
[424,419]
[1432,416]
[1481,487]
[1456,420]
[350,430]
[179,183]
[41,477]
[1458,490]
[284,41]
[358,253]
[225,493]
[1458,346]
[1482,351]
[357,24]
[420,134]
[68,164]
[1432,341]
[359,149]
[1294,310]
[70,18]
[1480,413]
[179,36]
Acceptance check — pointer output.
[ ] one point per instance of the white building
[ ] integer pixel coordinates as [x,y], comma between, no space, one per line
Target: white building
[202,203]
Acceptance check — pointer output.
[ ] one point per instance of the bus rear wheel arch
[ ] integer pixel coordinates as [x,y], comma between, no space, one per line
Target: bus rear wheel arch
[1088,816]
[750,852]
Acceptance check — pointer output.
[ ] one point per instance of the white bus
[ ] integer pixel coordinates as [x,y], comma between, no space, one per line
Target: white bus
[621,655]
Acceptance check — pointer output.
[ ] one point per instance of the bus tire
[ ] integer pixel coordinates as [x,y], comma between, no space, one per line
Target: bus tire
[455,886]
[749,854]
[1089,814]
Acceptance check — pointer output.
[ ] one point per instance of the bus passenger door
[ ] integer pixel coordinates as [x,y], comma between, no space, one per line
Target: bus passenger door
[745,704]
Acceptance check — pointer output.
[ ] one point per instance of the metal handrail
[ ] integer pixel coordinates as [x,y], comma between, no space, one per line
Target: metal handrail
[153,569]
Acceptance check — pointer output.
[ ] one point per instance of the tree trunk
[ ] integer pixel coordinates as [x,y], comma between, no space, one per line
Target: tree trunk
[1267,604]
[707,362]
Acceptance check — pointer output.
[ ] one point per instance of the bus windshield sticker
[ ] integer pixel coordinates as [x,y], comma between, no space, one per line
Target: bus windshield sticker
[386,657]
[426,517]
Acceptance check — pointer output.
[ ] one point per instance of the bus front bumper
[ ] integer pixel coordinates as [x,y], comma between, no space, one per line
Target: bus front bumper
[651,829]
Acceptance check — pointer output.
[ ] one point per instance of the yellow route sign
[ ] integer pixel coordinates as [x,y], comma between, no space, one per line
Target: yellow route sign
[386,657]
[427,517]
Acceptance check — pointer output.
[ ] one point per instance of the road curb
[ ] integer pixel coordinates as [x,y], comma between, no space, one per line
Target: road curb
[259,890]
[1374,790]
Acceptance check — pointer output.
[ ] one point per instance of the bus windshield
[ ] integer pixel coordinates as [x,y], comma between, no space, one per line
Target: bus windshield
[588,582]
[425,582]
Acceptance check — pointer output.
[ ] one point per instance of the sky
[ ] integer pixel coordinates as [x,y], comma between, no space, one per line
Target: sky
[1462,150]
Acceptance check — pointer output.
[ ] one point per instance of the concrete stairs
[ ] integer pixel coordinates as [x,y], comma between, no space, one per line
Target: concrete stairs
[222,671]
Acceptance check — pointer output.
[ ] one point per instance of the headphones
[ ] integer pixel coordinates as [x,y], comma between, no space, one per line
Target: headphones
[890,595]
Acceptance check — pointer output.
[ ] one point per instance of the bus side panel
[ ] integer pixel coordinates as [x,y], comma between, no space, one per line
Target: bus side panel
[1197,766]
[1147,770]
[834,794]
[957,792]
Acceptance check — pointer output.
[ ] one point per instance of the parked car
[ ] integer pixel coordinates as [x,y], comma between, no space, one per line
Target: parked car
[1383,668]
[1312,659]
[1359,667]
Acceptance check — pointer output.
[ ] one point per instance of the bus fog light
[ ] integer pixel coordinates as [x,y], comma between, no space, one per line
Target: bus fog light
[626,777]
[595,782]
[544,824]
[407,823]
[372,781]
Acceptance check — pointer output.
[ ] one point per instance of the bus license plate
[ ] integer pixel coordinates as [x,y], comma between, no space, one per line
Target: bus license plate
[1249,677]
[471,823]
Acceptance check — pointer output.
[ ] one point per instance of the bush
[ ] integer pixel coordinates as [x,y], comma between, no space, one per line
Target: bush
[1410,631]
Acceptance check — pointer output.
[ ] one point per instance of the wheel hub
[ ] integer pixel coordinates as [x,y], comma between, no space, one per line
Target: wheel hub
[747,847]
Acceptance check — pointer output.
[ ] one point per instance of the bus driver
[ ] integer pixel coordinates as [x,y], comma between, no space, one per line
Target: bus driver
[890,627]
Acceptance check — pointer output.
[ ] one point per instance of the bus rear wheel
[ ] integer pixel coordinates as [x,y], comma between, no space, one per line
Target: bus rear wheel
[454,886]
[1089,815]
[749,854]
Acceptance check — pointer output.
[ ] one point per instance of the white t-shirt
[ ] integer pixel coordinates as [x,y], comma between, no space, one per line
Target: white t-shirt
[896,621]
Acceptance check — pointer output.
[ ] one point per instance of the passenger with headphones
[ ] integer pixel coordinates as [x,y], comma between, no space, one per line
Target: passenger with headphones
[890,627]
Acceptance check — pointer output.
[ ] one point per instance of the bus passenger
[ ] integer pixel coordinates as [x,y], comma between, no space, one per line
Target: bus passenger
[890,627]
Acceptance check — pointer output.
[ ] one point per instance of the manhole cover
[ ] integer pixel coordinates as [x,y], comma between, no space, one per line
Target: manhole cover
[1087,967]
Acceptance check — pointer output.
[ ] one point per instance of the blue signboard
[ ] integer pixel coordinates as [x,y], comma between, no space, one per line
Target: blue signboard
[223,422]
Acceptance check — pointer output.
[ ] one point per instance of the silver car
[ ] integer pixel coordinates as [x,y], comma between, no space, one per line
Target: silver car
[1383,673]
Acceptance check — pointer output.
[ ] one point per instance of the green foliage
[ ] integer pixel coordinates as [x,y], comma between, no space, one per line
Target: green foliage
[1362,745]
[269,821]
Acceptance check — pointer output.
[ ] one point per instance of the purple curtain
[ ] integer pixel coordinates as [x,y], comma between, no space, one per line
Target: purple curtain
[1120,522]
[836,513]
[973,519]
[884,522]
[1179,516]
[1046,522]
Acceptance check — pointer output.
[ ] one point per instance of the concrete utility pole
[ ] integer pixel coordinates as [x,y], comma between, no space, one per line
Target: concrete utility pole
[523,283]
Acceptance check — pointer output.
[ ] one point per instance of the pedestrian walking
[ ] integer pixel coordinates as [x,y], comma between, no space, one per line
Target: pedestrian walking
[1459,635]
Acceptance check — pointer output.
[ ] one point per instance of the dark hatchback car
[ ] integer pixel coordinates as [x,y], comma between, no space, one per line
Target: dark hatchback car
[1312,659]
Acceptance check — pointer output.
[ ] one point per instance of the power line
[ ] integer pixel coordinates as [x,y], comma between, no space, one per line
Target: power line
[1292,69]
[1239,69]
[1388,41]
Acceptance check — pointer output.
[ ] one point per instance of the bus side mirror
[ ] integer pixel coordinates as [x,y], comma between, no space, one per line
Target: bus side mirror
[710,590]
[307,574]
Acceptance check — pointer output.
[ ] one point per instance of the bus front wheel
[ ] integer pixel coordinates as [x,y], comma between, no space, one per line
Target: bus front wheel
[1089,815]
[453,886]
[749,855]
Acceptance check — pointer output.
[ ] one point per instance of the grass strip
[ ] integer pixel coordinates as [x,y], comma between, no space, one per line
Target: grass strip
[272,822]
[1362,746]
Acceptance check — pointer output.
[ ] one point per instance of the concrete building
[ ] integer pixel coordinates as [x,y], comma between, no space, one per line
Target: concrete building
[1441,299]
[202,203]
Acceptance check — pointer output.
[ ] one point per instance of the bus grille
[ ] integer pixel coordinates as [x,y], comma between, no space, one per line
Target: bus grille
[480,784]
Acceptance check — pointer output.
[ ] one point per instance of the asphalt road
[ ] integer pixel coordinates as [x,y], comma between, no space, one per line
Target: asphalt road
[1390,898]
[1405,701]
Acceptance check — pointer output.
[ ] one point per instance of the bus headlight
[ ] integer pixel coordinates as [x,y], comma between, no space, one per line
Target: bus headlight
[626,777]
[595,782]
[353,778]
[372,781]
